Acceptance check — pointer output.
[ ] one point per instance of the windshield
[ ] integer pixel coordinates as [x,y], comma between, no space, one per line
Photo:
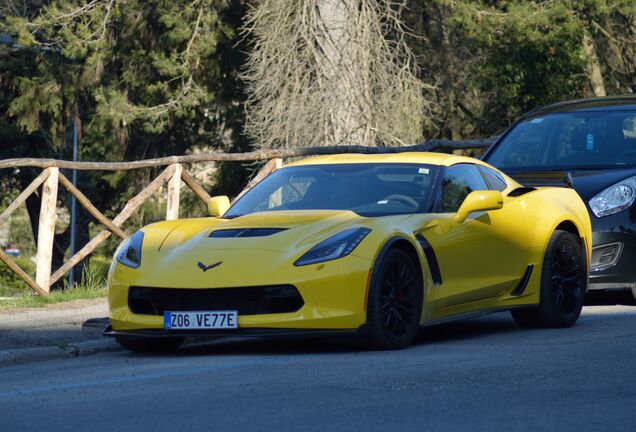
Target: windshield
[569,140]
[366,189]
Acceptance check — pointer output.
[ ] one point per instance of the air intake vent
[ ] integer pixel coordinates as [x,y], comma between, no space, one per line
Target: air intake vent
[245,232]
[259,300]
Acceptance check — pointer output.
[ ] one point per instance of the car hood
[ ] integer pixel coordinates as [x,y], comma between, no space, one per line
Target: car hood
[586,182]
[274,231]
[184,251]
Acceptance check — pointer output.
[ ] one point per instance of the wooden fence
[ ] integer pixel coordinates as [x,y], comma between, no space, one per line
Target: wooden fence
[174,174]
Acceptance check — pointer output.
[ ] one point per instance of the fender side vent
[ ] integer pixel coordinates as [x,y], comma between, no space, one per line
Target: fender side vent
[245,232]
[433,265]
[521,191]
[523,283]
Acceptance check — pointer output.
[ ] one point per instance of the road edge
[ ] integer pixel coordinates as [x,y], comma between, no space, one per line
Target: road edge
[19,356]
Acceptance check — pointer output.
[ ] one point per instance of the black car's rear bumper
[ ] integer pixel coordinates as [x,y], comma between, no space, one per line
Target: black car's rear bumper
[618,272]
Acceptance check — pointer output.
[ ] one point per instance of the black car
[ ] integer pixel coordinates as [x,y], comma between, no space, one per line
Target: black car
[590,145]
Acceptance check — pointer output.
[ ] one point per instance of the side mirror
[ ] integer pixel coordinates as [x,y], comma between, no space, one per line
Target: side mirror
[479,201]
[218,205]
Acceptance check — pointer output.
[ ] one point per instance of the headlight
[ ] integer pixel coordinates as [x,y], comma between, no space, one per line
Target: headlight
[336,246]
[615,198]
[130,252]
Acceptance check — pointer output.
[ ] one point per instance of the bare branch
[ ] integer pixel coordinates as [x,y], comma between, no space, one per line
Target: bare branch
[325,72]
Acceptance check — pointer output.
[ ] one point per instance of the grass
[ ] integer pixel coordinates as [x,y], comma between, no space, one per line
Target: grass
[79,292]
[92,286]
[10,283]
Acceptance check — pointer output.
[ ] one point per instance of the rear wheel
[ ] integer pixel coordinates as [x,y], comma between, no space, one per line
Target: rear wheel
[563,282]
[150,345]
[395,302]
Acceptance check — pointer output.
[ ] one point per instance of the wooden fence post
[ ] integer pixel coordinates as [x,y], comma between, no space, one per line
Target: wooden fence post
[174,189]
[46,230]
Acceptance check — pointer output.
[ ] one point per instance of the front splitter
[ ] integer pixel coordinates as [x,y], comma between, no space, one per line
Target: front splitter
[241,332]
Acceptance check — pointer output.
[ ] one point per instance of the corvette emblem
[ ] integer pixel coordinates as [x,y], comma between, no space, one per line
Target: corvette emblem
[211,266]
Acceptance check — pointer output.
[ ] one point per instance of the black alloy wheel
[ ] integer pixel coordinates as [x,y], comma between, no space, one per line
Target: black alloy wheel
[566,269]
[395,301]
[563,285]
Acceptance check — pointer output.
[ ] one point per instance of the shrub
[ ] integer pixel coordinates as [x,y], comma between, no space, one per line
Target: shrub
[10,283]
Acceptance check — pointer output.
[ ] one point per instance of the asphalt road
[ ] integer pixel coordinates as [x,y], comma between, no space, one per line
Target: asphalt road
[482,374]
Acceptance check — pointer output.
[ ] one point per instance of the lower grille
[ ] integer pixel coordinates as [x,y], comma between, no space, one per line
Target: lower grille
[606,255]
[247,300]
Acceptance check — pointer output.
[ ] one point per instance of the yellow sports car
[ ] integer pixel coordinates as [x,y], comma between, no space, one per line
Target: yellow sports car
[373,245]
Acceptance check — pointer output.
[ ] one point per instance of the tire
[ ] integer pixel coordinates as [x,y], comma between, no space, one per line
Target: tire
[563,284]
[394,302]
[150,345]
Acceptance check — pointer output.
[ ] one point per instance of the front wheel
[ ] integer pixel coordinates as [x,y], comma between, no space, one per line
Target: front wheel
[150,345]
[395,302]
[563,281]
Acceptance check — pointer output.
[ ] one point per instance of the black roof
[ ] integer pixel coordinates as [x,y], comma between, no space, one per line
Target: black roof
[608,103]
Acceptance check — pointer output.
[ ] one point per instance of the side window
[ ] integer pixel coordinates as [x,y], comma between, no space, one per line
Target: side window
[629,127]
[494,179]
[524,145]
[458,182]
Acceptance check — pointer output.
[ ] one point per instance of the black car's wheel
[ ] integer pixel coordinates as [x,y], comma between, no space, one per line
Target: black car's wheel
[563,282]
[395,302]
[150,345]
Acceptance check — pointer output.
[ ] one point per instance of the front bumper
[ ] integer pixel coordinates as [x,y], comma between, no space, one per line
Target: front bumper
[334,296]
[620,274]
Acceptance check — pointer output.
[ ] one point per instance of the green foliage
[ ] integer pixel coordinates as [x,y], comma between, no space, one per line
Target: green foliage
[143,65]
[496,59]
[10,283]
[532,55]
[92,284]
[143,78]
[21,235]
[95,274]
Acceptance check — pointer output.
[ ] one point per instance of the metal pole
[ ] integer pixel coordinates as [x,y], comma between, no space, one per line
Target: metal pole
[71,273]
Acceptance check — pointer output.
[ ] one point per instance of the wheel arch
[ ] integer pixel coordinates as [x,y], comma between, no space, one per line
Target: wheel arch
[400,242]
[569,226]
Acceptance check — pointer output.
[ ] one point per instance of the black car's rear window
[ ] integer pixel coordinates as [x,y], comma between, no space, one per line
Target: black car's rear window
[569,140]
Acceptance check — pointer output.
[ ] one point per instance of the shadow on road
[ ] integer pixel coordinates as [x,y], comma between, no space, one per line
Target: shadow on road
[467,329]
[610,298]
[499,323]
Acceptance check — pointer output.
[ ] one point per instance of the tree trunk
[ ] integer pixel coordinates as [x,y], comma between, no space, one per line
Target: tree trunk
[343,69]
[593,65]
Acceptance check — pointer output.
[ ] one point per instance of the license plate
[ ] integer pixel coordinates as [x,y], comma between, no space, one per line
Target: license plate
[200,320]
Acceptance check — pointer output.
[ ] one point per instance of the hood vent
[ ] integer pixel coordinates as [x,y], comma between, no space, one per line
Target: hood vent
[521,191]
[245,232]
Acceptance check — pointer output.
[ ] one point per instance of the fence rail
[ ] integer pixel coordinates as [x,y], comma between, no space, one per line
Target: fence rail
[173,175]
[436,145]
